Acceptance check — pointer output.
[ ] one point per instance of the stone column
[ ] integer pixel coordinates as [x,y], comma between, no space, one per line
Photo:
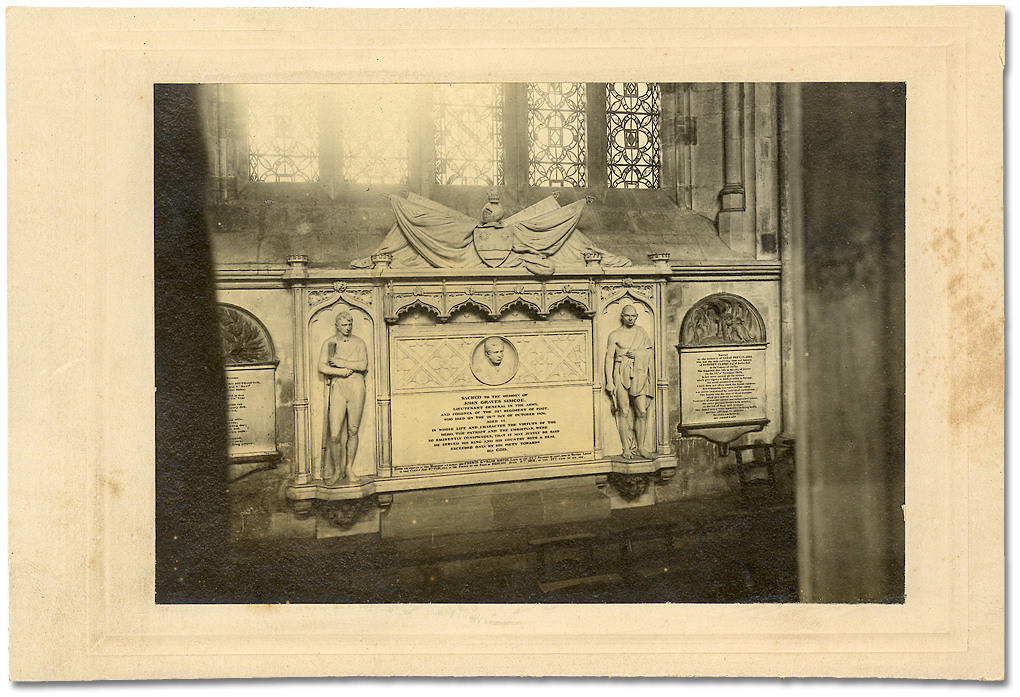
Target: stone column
[662,442]
[295,277]
[384,430]
[788,169]
[766,171]
[731,198]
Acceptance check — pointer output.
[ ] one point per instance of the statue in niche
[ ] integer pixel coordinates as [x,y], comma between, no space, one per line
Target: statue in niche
[630,382]
[494,364]
[428,234]
[343,361]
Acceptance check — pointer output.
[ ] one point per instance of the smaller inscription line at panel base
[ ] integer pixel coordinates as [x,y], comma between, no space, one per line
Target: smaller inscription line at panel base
[554,470]
[723,424]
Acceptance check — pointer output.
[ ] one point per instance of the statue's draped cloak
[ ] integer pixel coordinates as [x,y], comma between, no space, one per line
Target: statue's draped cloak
[637,374]
[428,234]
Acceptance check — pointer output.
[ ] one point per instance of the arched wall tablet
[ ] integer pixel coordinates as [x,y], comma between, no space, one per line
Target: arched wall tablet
[250,360]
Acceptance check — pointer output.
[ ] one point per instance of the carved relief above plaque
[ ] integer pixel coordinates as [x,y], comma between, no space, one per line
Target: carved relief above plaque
[438,362]
[722,319]
[243,338]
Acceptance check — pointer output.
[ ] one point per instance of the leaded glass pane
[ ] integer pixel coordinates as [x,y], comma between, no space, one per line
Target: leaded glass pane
[373,133]
[632,120]
[469,134]
[556,135]
[283,134]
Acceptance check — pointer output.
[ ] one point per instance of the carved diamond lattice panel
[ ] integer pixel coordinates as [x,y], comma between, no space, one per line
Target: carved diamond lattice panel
[552,358]
[283,134]
[432,363]
[632,122]
[573,366]
[373,135]
[556,133]
[469,134]
[445,362]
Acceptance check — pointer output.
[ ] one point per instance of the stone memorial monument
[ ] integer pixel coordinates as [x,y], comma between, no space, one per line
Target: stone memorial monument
[489,349]
[251,389]
[722,369]
[519,360]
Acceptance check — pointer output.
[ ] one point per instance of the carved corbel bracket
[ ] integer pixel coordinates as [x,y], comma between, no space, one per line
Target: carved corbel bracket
[343,514]
[629,486]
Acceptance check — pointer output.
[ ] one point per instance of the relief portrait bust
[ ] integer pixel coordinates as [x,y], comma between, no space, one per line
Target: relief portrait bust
[494,361]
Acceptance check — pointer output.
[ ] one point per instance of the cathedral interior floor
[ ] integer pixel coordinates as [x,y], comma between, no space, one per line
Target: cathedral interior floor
[721,549]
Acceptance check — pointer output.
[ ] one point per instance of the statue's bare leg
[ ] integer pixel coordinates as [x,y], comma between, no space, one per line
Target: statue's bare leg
[642,423]
[625,423]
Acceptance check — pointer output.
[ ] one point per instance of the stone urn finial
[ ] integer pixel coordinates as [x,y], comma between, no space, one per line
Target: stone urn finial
[659,259]
[298,267]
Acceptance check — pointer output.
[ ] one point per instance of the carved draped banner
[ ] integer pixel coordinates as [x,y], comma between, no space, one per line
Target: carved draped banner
[428,234]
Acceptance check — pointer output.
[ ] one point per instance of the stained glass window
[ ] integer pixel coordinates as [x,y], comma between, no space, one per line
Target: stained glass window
[373,133]
[283,129]
[556,134]
[632,121]
[469,134]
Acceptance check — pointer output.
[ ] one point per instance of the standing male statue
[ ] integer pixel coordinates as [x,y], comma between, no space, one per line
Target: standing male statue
[630,382]
[343,361]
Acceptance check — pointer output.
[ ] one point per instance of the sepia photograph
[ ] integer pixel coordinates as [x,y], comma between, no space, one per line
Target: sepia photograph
[529,342]
[447,343]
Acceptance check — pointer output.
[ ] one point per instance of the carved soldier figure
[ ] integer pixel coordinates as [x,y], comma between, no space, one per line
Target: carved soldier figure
[343,361]
[630,382]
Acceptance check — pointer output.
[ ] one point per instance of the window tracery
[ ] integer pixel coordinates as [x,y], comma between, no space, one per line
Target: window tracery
[632,121]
